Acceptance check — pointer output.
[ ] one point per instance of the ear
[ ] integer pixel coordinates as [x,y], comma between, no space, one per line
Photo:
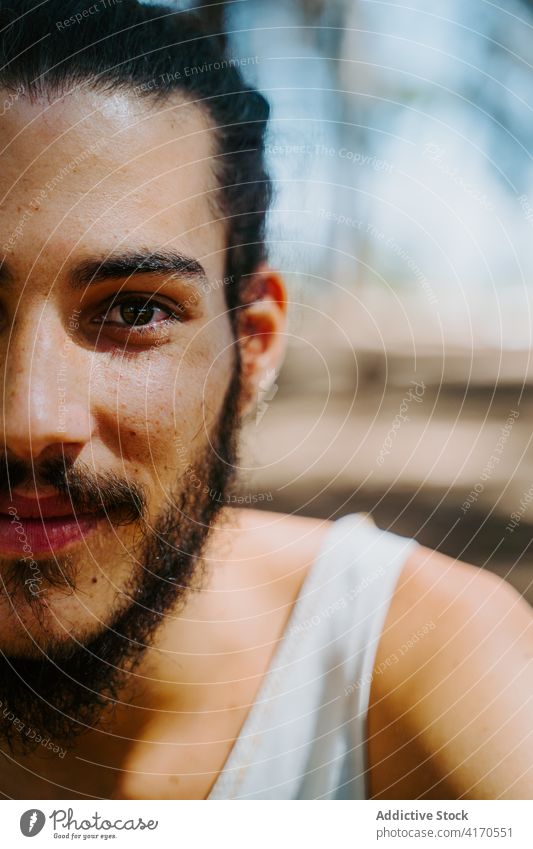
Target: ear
[261,333]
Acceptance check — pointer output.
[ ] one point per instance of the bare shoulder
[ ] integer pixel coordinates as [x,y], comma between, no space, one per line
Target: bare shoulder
[450,701]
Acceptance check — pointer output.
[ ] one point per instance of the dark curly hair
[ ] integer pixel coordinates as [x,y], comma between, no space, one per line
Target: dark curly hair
[123,45]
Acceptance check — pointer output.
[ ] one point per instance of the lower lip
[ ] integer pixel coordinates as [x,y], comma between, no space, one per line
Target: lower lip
[26,537]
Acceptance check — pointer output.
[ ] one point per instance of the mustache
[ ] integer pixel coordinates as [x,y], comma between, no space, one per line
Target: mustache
[122,500]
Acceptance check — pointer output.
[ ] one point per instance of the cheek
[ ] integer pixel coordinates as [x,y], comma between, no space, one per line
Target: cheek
[155,403]
[154,400]
[134,401]
[210,360]
[200,388]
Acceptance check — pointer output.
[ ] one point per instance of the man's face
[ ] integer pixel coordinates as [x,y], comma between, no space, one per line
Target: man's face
[119,376]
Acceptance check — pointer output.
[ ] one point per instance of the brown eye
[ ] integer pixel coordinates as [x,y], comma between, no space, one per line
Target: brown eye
[137,312]
[138,318]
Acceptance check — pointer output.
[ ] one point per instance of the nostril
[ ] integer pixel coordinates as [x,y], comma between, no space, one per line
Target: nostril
[38,442]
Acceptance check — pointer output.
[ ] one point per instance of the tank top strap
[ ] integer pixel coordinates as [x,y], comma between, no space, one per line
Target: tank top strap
[305,736]
[357,570]
[350,586]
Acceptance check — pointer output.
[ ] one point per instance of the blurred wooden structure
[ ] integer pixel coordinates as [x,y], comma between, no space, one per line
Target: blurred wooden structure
[345,429]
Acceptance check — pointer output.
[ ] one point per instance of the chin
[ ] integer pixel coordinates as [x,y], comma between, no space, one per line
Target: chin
[31,629]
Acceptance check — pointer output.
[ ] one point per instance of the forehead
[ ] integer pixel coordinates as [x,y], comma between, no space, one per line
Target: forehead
[93,171]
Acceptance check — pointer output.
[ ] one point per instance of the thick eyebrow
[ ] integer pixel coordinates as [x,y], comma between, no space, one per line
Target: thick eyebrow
[117,266]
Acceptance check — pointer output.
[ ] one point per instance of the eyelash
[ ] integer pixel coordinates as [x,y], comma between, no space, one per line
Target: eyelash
[174,314]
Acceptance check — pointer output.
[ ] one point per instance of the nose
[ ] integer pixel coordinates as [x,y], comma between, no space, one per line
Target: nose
[45,394]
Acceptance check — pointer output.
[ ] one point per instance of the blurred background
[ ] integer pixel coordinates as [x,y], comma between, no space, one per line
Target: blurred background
[400,149]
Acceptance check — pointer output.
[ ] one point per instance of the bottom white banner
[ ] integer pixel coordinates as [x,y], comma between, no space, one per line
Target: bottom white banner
[268,824]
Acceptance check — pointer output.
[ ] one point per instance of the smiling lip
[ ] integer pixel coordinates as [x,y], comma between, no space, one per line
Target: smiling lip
[31,526]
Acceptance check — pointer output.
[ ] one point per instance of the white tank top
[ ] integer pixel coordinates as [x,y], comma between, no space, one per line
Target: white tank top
[305,735]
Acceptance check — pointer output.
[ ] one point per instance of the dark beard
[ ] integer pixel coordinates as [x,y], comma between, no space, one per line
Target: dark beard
[66,691]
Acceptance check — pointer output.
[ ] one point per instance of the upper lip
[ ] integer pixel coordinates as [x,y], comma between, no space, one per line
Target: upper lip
[35,508]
